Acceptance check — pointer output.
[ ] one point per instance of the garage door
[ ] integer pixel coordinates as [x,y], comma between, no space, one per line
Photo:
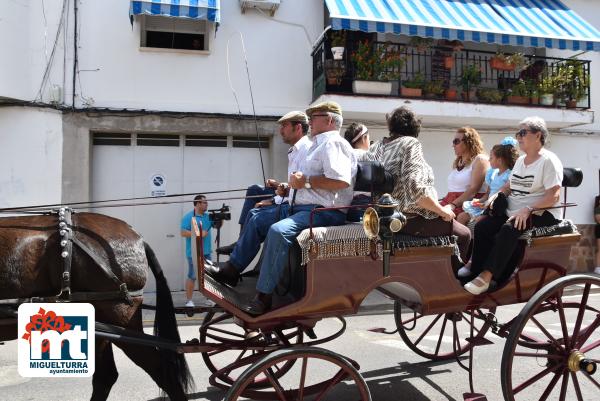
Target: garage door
[144,165]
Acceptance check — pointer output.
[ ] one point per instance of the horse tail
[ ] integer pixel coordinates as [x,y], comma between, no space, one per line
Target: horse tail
[165,325]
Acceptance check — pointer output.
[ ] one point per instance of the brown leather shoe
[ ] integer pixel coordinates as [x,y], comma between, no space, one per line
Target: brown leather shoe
[260,304]
[226,274]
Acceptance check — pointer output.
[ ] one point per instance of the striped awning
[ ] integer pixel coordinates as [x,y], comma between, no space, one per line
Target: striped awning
[529,23]
[194,9]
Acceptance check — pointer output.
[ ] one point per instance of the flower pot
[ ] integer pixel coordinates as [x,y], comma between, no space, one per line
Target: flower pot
[469,96]
[571,104]
[546,99]
[534,100]
[517,99]
[372,87]
[448,62]
[333,81]
[450,94]
[411,92]
[337,52]
[501,65]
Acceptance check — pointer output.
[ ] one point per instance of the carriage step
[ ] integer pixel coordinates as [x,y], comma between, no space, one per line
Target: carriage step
[478,341]
[474,397]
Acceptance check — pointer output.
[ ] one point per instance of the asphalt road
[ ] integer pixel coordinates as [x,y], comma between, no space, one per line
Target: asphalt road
[391,370]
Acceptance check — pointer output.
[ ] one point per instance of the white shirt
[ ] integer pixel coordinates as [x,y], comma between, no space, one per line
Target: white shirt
[296,154]
[331,156]
[459,181]
[529,183]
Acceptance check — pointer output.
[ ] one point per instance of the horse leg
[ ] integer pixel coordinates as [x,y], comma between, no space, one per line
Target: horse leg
[105,374]
[150,360]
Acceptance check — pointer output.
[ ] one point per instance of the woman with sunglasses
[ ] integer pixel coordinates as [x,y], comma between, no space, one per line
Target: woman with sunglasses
[467,178]
[533,186]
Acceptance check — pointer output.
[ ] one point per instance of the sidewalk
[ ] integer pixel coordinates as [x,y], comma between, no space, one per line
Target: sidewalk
[374,303]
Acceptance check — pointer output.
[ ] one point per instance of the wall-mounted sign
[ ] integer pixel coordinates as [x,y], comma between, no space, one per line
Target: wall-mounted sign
[158,185]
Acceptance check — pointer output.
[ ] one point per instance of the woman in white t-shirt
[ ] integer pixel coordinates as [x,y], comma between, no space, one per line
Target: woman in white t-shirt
[534,184]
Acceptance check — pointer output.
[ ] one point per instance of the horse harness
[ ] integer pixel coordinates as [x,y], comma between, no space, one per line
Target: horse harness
[68,239]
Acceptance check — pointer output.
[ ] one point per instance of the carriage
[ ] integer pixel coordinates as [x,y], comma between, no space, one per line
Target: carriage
[331,271]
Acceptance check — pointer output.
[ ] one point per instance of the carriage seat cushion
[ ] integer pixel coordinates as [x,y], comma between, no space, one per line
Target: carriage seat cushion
[572,177]
[563,227]
[350,240]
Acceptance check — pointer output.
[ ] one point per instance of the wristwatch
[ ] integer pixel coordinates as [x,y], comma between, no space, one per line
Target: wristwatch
[307,183]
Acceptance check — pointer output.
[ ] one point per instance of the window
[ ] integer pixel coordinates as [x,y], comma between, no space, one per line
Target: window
[111,139]
[251,142]
[206,141]
[175,33]
[157,140]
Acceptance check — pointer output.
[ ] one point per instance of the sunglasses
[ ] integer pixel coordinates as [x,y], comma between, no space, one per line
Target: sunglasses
[521,133]
[456,141]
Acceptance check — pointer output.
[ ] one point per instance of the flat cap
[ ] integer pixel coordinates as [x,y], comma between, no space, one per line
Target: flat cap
[294,116]
[331,107]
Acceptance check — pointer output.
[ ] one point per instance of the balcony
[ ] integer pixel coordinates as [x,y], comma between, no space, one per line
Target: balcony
[449,84]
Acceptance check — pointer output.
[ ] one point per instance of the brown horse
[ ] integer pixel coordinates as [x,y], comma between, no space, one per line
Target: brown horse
[31,266]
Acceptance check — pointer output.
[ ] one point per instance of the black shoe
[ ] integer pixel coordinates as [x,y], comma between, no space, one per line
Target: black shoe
[226,274]
[260,304]
[226,250]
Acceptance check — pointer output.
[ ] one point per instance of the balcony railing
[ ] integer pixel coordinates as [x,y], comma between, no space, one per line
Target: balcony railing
[441,73]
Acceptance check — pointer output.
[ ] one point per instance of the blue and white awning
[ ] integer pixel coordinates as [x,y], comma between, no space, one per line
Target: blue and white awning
[529,23]
[194,9]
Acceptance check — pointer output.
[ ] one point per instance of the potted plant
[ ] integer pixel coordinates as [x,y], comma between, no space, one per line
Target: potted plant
[534,93]
[489,95]
[334,71]
[518,93]
[338,43]
[421,44]
[469,79]
[508,62]
[572,82]
[546,89]
[434,89]
[413,87]
[451,93]
[452,46]
[375,66]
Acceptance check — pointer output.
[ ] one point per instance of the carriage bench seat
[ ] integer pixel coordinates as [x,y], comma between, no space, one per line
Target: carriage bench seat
[350,240]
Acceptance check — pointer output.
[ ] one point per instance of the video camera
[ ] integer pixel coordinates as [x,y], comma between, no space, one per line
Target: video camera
[218,215]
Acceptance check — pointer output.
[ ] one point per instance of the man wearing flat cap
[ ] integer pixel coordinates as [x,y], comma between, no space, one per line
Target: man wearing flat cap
[255,221]
[324,178]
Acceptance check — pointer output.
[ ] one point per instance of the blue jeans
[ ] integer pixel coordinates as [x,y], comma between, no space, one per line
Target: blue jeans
[281,236]
[356,215]
[256,226]
[250,202]
[191,271]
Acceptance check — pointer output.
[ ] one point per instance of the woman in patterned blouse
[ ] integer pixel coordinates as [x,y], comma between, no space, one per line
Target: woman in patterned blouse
[402,155]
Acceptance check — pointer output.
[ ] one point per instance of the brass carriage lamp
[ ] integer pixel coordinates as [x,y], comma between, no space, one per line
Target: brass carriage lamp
[383,221]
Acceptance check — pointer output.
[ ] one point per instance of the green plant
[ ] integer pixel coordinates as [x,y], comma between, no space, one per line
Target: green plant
[421,44]
[434,87]
[337,38]
[489,95]
[377,62]
[519,88]
[517,60]
[572,81]
[470,77]
[417,82]
[547,85]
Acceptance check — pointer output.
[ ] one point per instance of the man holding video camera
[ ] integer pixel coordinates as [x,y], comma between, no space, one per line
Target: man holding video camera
[206,219]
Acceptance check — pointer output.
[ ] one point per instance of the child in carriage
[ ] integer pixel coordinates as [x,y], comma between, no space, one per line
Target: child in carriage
[502,159]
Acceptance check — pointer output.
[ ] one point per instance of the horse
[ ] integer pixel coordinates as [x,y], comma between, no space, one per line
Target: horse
[32,257]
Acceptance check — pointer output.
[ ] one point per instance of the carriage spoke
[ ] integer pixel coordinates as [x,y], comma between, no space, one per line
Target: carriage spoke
[231,333]
[456,338]
[546,333]
[275,383]
[594,381]
[334,381]
[439,342]
[536,355]
[564,385]
[563,323]
[591,347]
[550,386]
[581,312]
[585,335]
[471,322]
[576,386]
[302,379]
[535,378]
[429,328]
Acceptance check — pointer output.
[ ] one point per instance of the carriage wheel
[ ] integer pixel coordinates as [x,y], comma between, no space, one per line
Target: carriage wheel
[554,344]
[443,336]
[343,380]
[250,347]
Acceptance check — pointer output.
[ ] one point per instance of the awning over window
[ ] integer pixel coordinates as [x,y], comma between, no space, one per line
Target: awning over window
[194,9]
[529,23]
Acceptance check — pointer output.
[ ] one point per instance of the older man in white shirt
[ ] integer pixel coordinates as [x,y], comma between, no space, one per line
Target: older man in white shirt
[325,178]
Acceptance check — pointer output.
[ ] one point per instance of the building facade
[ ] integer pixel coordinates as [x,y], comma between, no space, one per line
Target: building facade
[131,99]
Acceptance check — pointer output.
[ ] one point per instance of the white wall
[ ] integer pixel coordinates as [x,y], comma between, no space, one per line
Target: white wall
[278,59]
[30,156]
